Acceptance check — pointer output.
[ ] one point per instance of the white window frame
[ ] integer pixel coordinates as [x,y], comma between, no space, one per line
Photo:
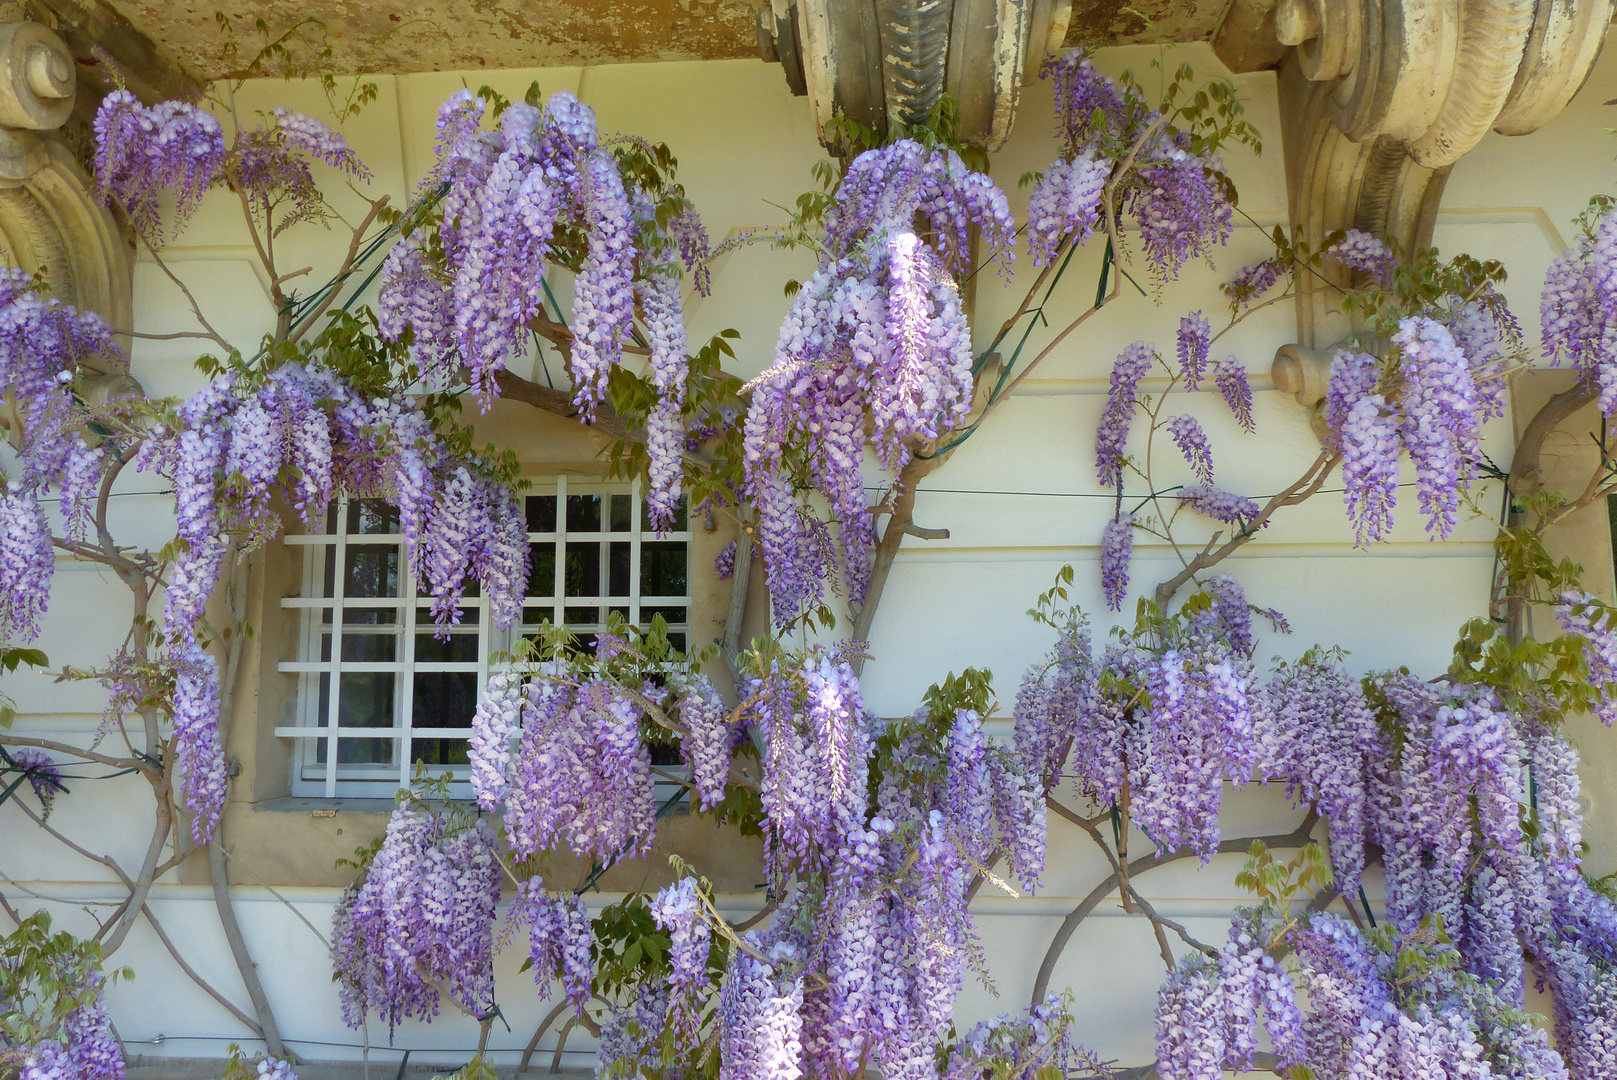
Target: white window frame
[332,779]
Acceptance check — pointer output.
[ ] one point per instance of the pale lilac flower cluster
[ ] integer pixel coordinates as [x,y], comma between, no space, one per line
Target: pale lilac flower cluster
[678,909]
[879,328]
[508,194]
[1112,433]
[1116,549]
[1194,339]
[142,151]
[1208,1013]
[1179,204]
[199,753]
[760,1017]
[708,741]
[1225,506]
[724,563]
[560,939]
[581,775]
[1229,375]
[27,561]
[628,1039]
[1319,737]
[1065,207]
[271,167]
[1576,307]
[1581,614]
[1249,285]
[1055,706]
[1434,415]
[1188,436]
[273,1068]
[1366,253]
[421,917]
[1037,1042]
[498,715]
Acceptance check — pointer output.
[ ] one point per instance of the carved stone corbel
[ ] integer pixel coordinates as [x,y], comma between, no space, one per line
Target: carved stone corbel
[1379,99]
[888,62]
[50,222]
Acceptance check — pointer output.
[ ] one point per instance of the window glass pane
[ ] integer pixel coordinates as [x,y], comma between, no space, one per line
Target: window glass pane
[372,517]
[367,699]
[679,516]
[468,620]
[584,569]
[370,616]
[438,751]
[677,641]
[460,648]
[328,573]
[533,616]
[662,568]
[444,698]
[587,616]
[541,513]
[673,616]
[620,612]
[583,513]
[541,569]
[373,570]
[370,648]
[622,512]
[364,751]
[617,574]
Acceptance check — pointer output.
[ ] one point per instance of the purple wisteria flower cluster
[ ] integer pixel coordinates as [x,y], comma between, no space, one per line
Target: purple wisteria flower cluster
[510,197]
[243,446]
[875,351]
[1113,142]
[1596,623]
[1576,307]
[1429,401]
[1112,458]
[420,920]
[1036,1042]
[43,344]
[560,939]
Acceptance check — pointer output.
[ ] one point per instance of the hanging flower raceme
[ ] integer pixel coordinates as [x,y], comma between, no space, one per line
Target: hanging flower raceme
[420,917]
[1596,624]
[1036,1042]
[512,198]
[876,339]
[560,937]
[1178,201]
[143,152]
[1427,404]
[1577,307]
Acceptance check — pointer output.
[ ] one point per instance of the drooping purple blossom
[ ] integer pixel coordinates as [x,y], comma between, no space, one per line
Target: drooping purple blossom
[1366,253]
[560,937]
[1194,339]
[1225,506]
[679,910]
[1188,436]
[143,152]
[1229,375]
[706,745]
[1065,207]
[41,773]
[1111,435]
[1116,549]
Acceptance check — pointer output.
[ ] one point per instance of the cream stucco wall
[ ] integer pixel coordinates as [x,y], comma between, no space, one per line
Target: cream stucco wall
[1020,500]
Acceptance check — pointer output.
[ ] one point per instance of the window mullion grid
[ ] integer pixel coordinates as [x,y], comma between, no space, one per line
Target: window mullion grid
[635,511]
[559,588]
[339,579]
[406,684]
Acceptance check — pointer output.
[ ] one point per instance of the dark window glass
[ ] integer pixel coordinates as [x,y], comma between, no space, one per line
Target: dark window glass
[370,616]
[372,517]
[617,575]
[673,616]
[373,570]
[584,569]
[541,513]
[444,699]
[622,513]
[662,568]
[581,615]
[541,569]
[367,699]
[370,648]
[458,648]
[360,751]
[583,513]
[438,751]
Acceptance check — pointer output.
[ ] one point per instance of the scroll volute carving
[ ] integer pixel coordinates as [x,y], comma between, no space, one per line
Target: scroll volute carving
[49,219]
[1379,99]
